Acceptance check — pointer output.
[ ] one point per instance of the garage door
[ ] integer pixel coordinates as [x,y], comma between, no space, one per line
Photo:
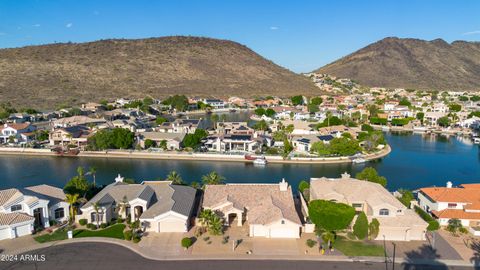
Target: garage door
[284,233]
[5,233]
[22,230]
[171,226]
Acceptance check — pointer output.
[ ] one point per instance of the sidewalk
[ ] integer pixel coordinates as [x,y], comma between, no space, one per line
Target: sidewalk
[155,254]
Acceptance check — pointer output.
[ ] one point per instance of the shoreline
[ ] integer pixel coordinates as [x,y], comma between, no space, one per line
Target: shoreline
[132,154]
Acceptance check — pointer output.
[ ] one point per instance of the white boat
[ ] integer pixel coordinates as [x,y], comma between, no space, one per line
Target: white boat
[260,161]
[359,161]
[476,140]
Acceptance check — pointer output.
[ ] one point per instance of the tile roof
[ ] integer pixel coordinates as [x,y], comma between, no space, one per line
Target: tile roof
[8,195]
[46,192]
[467,193]
[14,218]
[265,203]
[456,213]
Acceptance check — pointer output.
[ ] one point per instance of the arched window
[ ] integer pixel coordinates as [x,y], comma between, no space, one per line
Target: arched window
[384,212]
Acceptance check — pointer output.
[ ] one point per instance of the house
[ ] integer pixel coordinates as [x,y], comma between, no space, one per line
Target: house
[396,221]
[77,120]
[72,135]
[431,118]
[158,205]
[188,126]
[267,209]
[233,143]
[215,103]
[22,210]
[173,141]
[13,132]
[238,128]
[445,203]
[304,143]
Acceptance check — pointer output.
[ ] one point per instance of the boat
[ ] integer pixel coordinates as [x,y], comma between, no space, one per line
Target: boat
[249,157]
[232,110]
[476,140]
[260,162]
[359,160]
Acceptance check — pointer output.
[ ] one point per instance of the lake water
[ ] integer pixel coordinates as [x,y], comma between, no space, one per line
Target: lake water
[415,161]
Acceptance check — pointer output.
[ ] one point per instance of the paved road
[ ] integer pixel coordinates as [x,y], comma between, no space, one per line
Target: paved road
[92,256]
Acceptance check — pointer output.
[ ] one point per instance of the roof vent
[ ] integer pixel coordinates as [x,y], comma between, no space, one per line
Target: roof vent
[449,184]
[119,179]
[283,185]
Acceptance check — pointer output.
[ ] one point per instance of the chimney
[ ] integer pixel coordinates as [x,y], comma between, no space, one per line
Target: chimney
[449,184]
[119,179]
[283,185]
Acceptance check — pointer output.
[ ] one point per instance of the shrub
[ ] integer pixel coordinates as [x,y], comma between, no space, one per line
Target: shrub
[373,229]
[463,230]
[83,222]
[367,127]
[303,185]
[360,228]
[136,238]
[329,215]
[371,175]
[311,243]
[186,242]
[433,225]
[91,226]
[103,225]
[128,235]
[120,220]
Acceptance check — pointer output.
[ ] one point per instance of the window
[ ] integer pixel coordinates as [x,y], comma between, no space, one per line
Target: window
[59,213]
[452,205]
[15,208]
[384,212]
[94,217]
[357,205]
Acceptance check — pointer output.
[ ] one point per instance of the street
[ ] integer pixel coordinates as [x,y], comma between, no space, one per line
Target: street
[92,256]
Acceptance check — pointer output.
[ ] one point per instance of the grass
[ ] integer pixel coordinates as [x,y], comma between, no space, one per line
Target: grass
[358,248]
[114,231]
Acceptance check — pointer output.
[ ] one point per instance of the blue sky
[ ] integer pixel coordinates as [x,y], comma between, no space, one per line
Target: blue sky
[299,35]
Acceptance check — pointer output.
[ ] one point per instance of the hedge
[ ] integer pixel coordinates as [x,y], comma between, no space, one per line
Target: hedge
[433,225]
[378,121]
[329,215]
[83,221]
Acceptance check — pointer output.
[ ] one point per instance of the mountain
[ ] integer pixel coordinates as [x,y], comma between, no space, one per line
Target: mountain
[70,73]
[412,63]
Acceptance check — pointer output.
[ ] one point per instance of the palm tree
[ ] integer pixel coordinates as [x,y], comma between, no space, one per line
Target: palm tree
[122,206]
[328,114]
[213,178]
[72,199]
[96,208]
[93,172]
[175,178]
[214,119]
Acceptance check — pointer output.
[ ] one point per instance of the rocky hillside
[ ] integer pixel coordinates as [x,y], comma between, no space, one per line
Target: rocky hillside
[412,63]
[50,75]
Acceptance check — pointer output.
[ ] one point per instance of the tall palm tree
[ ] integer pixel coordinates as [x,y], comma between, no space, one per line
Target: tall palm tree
[96,208]
[213,178]
[175,178]
[72,199]
[93,172]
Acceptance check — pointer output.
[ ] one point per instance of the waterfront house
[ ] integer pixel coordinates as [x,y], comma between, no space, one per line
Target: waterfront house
[267,209]
[72,135]
[445,203]
[397,222]
[304,143]
[238,128]
[14,132]
[173,141]
[22,210]
[215,103]
[431,118]
[233,143]
[77,120]
[158,205]
[188,126]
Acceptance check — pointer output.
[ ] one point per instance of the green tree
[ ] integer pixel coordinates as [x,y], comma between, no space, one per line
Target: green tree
[297,100]
[163,144]
[360,228]
[405,102]
[303,185]
[160,120]
[116,138]
[177,102]
[213,178]
[270,112]
[407,197]
[96,208]
[420,116]
[260,111]
[329,215]
[371,175]
[287,148]
[312,108]
[443,121]
[454,225]
[77,184]
[211,221]
[320,148]
[72,199]
[186,242]
[261,125]
[455,107]
[344,146]
[194,140]
[149,143]
[175,178]
[316,101]
[93,172]
[373,229]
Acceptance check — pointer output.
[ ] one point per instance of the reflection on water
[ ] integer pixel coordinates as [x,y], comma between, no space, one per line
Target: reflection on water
[416,161]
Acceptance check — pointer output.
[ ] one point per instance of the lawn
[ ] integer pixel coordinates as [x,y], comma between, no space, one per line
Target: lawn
[114,231]
[358,248]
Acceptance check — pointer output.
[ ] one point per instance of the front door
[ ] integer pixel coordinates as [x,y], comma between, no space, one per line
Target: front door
[37,214]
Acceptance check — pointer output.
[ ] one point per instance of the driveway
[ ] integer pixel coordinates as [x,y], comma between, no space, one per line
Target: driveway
[162,244]
[264,246]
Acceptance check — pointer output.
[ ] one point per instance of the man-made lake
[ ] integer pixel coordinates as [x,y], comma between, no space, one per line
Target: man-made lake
[415,161]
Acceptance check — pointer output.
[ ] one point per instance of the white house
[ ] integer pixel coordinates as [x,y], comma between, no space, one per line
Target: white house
[269,209]
[22,210]
[215,103]
[15,131]
[450,202]
[158,205]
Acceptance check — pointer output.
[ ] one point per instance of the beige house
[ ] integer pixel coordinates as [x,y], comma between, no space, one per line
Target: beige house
[268,209]
[397,222]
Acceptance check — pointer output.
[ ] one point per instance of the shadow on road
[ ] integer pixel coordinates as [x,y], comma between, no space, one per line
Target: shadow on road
[425,254]
[475,246]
